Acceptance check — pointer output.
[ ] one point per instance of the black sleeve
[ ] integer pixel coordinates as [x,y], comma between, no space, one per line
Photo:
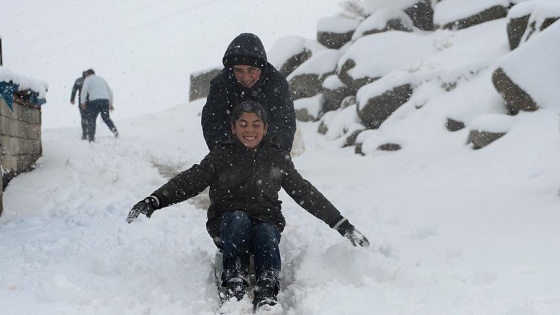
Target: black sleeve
[188,183]
[77,86]
[215,118]
[308,197]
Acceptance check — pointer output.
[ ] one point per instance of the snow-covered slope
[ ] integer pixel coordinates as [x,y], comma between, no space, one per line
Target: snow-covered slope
[453,231]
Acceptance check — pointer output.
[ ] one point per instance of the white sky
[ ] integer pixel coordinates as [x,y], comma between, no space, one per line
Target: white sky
[453,230]
[145,49]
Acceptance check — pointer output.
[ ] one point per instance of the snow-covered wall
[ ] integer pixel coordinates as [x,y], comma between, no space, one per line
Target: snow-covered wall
[20,123]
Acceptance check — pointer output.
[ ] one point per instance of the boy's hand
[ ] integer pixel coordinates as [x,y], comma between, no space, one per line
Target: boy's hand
[146,207]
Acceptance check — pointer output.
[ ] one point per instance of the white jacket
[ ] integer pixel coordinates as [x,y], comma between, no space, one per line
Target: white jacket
[96,88]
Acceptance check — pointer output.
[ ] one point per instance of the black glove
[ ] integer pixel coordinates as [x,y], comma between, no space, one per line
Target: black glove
[146,207]
[347,230]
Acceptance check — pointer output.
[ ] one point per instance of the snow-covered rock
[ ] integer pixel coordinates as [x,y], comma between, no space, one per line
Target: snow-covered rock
[307,79]
[382,21]
[290,52]
[459,14]
[527,19]
[515,75]
[373,56]
[334,32]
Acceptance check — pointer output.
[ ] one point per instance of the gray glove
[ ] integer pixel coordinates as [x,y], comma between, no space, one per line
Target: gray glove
[146,207]
[347,230]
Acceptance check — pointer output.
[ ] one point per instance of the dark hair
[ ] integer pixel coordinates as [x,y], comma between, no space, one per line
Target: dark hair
[249,107]
[89,72]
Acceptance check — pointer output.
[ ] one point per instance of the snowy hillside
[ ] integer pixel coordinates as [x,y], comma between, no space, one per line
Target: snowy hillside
[453,231]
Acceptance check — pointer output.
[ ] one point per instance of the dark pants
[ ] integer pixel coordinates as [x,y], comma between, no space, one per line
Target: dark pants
[241,236]
[94,108]
[84,117]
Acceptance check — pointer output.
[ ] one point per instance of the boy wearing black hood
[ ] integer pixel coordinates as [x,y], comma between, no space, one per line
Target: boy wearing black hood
[247,75]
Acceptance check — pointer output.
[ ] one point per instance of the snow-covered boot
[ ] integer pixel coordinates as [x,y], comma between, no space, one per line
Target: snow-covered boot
[234,288]
[265,294]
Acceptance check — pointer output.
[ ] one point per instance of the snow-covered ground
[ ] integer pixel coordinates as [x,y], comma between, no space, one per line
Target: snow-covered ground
[453,230]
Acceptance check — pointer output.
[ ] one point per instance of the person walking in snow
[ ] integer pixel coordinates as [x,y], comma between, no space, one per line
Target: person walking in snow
[99,98]
[245,174]
[77,89]
[248,76]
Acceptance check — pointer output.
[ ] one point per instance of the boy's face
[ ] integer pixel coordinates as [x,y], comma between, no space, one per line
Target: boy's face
[249,129]
[246,75]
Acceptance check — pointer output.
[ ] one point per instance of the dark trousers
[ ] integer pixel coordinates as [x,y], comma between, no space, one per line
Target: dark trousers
[241,236]
[94,108]
[83,116]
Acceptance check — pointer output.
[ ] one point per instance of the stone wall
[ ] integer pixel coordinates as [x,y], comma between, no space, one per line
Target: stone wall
[20,139]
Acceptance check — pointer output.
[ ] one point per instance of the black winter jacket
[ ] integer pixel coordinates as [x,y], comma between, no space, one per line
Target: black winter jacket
[242,181]
[271,91]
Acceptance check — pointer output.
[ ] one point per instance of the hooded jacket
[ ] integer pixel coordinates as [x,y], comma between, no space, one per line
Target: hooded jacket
[271,91]
[241,181]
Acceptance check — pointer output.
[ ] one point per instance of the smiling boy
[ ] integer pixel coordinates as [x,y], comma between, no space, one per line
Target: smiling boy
[245,175]
[248,76]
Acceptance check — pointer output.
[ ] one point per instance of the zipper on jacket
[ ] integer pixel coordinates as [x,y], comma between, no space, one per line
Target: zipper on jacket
[253,176]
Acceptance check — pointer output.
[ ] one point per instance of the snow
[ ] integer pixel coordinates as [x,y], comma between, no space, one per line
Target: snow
[397,48]
[343,122]
[463,104]
[289,46]
[522,9]
[379,19]
[311,104]
[319,64]
[540,9]
[453,230]
[496,123]
[337,24]
[333,82]
[373,6]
